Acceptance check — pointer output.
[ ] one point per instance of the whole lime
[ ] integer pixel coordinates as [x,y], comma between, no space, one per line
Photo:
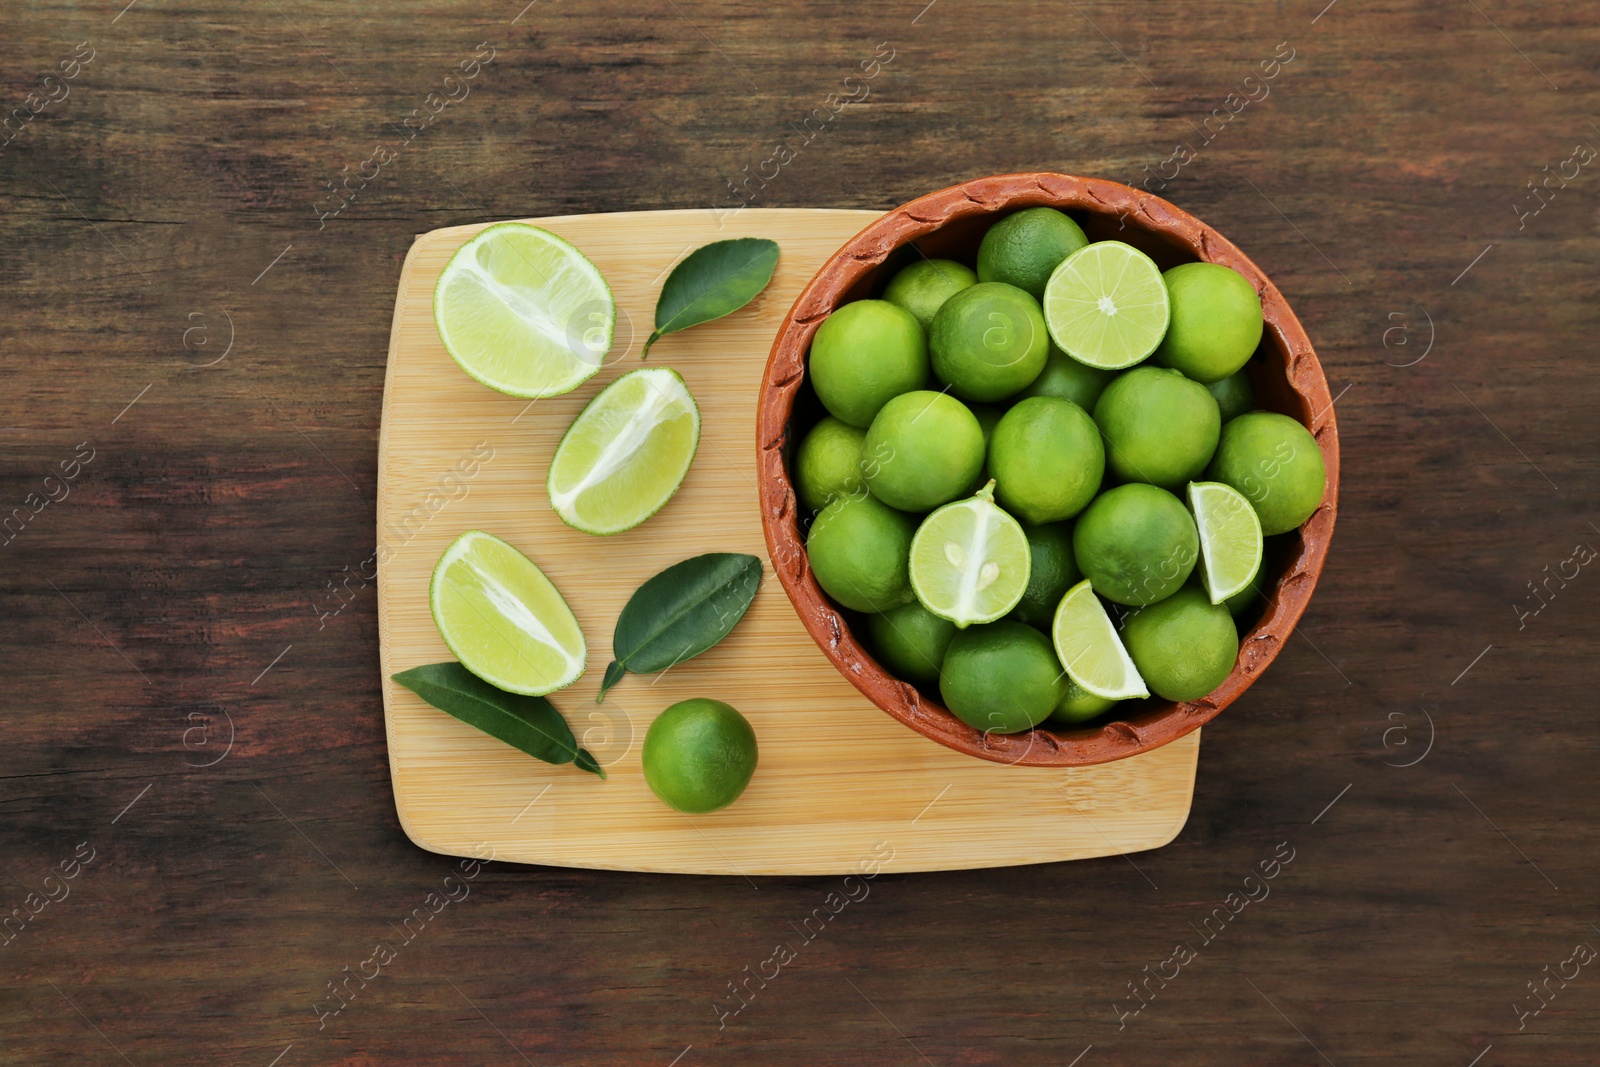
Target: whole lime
[923,449]
[1233,394]
[1001,678]
[1136,544]
[1054,571]
[1275,462]
[1068,379]
[699,755]
[828,464]
[988,419]
[988,342]
[1078,705]
[863,354]
[1184,646]
[1023,248]
[1159,427]
[859,549]
[924,286]
[1046,459]
[1216,321]
[911,641]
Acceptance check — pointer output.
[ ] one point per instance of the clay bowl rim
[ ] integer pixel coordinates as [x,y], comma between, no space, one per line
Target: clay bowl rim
[1284,341]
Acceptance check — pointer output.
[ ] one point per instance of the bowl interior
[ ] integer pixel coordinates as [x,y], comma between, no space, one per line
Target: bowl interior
[1283,373]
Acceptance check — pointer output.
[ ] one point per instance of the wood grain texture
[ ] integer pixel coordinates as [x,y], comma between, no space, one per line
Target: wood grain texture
[200,543]
[837,777]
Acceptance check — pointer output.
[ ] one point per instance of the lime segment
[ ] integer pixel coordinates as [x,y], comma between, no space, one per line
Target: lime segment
[1107,306]
[1230,538]
[524,312]
[502,618]
[1089,648]
[626,453]
[970,561]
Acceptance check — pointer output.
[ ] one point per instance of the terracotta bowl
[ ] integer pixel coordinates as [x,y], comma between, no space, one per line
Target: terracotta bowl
[1284,372]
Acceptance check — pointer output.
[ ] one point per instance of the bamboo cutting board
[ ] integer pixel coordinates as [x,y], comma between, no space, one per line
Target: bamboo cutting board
[839,782]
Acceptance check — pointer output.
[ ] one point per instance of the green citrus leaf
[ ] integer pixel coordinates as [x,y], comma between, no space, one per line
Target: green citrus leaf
[712,281]
[681,612]
[531,724]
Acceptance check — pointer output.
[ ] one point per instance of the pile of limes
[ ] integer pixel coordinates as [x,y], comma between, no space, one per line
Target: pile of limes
[1008,449]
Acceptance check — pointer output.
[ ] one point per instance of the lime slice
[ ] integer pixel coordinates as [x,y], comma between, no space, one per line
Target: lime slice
[1230,538]
[503,619]
[1089,648]
[970,561]
[626,453]
[1107,306]
[523,311]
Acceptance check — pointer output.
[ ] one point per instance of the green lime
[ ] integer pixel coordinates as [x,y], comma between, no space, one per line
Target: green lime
[828,464]
[500,616]
[911,640]
[1001,678]
[523,311]
[924,286]
[863,354]
[1023,248]
[857,548]
[1184,646]
[1107,305]
[1068,379]
[1274,461]
[1230,538]
[1159,427]
[970,561]
[1052,572]
[626,453]
[699,755]
[1136,543]
[988,341]
[1078,706]
[1216,321]
[1047,458]
[922,450]
[1087,645]
[1233,395]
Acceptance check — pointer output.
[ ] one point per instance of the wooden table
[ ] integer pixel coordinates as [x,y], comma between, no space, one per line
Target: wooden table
[193,355]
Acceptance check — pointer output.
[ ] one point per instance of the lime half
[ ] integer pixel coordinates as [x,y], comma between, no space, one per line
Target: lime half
[1088,647]
[1230,538]
[524,312]
[503,619]
[970,561]
[626,453]
[1107,306]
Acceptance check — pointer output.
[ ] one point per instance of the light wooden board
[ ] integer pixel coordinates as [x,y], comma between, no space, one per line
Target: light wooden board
[838,781]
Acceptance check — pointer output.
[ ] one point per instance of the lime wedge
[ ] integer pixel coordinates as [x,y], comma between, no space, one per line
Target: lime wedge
[1088,647]
[970,561]
[626,453]
[523,311]
[1230,538]
[503,619]
[1107,306]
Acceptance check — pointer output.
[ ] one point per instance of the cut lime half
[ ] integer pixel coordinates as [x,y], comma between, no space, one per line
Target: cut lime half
[503,619]
[626,453]
[1107,306]
[1230,538]
[1089,648]
[970,561]
[524,312]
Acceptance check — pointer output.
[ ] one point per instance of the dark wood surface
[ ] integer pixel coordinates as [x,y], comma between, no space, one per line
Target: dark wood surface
[177,186]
